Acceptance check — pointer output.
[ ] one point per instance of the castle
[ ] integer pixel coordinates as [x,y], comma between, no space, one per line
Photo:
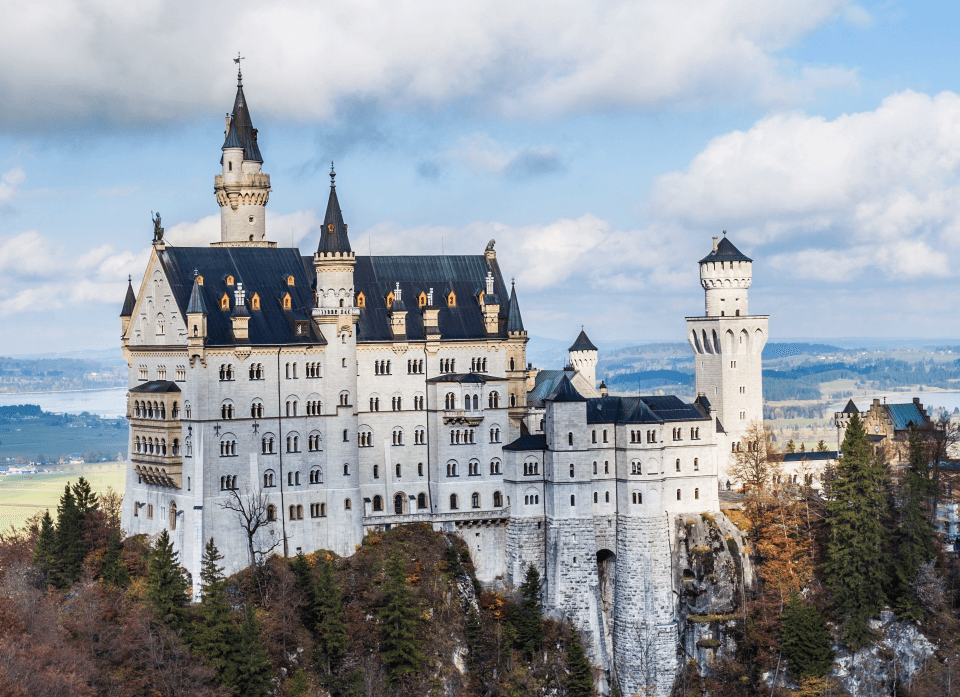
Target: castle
[282,403]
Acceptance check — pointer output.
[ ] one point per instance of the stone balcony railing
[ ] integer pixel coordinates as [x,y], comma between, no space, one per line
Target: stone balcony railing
[335,311]
[450,516]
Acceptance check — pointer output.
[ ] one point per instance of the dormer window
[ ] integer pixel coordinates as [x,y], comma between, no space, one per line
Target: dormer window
[389,299]
[199,280]
[225,302]
[452,299]
[422,299]
[229,280]
[285,301]
[361,300]
[289,280]
[255,302]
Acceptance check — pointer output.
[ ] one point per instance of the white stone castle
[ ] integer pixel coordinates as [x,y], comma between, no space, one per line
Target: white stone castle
[349,394]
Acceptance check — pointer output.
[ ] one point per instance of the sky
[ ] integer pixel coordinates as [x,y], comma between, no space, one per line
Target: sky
[601,144]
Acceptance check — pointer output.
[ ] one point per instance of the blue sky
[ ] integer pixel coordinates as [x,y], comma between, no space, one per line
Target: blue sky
[601,144]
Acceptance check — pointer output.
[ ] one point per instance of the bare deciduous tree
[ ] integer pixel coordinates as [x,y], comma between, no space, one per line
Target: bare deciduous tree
[252,511]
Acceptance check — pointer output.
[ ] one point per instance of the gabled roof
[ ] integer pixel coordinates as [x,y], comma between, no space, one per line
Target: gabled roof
[902,415]
[242,126]
[333,236]
[157,386]
[851,408]
[633,410]
[514,322]
[530,441]
[129,302]
[466,377]
[565,392]
[262,270]
[812,456]
[545,383]
[725,251]
[582,343]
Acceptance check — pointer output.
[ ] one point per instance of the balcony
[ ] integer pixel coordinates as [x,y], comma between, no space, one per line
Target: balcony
[502,513]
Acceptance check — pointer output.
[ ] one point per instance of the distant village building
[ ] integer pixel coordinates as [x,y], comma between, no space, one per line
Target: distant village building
[887,425]
[353,393]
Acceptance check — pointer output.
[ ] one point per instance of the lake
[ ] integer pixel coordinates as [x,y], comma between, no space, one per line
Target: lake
[947,400]
[111,403]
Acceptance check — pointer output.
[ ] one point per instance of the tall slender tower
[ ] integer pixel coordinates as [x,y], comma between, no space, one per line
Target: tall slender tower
[337,316]
[728,345]
[242,189]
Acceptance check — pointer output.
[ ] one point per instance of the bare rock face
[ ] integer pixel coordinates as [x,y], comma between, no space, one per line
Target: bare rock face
[900,651]
[711,574]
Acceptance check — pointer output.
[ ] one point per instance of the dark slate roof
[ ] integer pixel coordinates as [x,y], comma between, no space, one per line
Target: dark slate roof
[545,383]
[514,322]
[242,125]
[333,236]
[531,441]
[813,456]
[157,386]
[565,392]
[902,415]
[196,305]
[375,277]
[263,271]
[233,138]
[466,377]
[129,302]
[582,343]
[851,408]
[725,251]
[642,410]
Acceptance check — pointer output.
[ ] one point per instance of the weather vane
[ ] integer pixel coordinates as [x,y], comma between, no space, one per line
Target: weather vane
[237,61]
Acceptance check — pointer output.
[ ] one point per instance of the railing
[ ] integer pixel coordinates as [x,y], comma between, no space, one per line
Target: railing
[335,311]
[450,516]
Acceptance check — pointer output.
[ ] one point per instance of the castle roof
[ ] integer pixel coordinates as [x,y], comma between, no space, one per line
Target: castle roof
[725,251]
[565,392]
[333,236]
[466,378]
[904,415]
[582,343]
[233,138]
[529,441]
[644,409]
[242,126]
[812,456]
[851,408]
[514,322]
[129,302]
[196,306]
[156,387]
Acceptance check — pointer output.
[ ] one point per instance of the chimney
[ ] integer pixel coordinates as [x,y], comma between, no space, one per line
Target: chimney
[227,132]
[714,244]
[603,389]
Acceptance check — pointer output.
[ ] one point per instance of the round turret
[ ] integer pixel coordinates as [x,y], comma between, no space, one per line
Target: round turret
[726,274]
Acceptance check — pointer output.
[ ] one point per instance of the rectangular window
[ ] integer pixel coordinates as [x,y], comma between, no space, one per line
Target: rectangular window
[150,511]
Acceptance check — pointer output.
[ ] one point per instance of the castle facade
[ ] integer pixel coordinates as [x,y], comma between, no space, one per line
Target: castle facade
[282,402]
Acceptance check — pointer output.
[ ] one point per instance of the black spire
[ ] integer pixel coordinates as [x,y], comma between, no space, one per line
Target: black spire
[514,322]
[582,343]
[130,301]
[196,305]
[565,392]
[725,251]
[333,236]
[242,126]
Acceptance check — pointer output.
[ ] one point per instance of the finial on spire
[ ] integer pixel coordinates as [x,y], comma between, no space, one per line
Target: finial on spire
[513,282]
[196,272]
[724,233]
[333,175]
[239,74]
[129,278]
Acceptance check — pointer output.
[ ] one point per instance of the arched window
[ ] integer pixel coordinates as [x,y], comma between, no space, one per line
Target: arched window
[398,501]
[497,499]
[346,469]
[397,469]
[678,494]
[475,500]
[376,471]
[571,469]
[696,464]
[268,480]
[421,500]
[377,503]
[573,500]
[696,493]
[347,505]
[606,497]
[493,400]
[595,497]
[271,513]
[453,502]
[570,438]
[316,475]
[593,437]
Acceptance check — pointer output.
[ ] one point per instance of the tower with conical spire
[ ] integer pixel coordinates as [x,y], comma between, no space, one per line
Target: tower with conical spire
[242,189]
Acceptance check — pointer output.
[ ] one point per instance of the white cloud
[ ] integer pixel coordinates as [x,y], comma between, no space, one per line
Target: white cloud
[286,229]
[479,152]
[878,189]
[78,59]
[10,185]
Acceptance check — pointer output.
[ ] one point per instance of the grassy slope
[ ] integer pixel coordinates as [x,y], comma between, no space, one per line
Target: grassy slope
[22,496]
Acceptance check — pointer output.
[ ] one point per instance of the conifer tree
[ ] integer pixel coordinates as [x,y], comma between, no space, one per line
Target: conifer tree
[214,633]
[329,624]
[474,635]
[46,541]
[914,535]
[579,677]
[528,620]
[249,675]
[857,512]
[114,571]
[806,640]
[167,586]
[303,574]
[68,552]
[399,646]
[86,499]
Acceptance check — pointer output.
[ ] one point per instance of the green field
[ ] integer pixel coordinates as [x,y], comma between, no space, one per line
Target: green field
[23,495]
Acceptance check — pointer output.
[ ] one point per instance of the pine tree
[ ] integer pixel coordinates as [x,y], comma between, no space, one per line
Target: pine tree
[114,571]
[86,499]
[806,640]
[46,542]
[167,585]
[474,635]
[914,534]
[303,574]
[399,646]
[68,551]
[579,677]
[329,624]
[791,446]
[250,674]
[857,513]
[528,619]
[214,633]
